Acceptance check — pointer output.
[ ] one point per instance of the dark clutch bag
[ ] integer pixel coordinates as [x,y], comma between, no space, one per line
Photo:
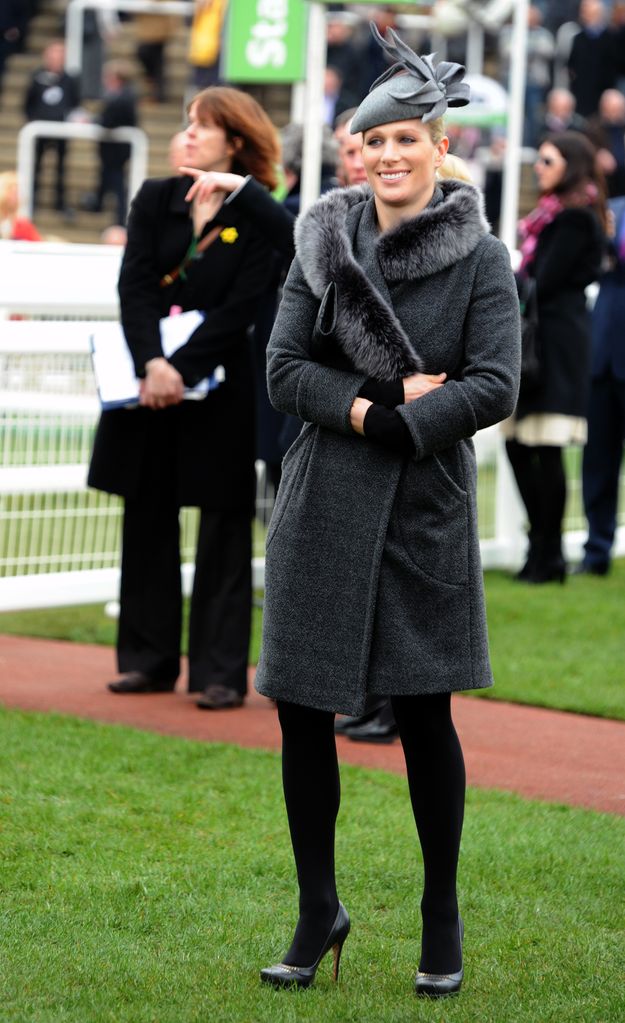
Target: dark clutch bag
[531,365]
[323,344]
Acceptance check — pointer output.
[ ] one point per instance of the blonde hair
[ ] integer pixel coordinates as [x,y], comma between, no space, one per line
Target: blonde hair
[454,167]
[436,129]
[8,182]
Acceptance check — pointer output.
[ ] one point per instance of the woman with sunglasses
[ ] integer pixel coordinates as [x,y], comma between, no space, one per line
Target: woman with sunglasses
[561,249]
[373,582]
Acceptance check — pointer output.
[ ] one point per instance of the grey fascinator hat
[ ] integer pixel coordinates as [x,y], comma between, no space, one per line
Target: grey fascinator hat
[412,87]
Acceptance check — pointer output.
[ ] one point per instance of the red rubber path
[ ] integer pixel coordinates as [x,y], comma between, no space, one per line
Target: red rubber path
[541,754]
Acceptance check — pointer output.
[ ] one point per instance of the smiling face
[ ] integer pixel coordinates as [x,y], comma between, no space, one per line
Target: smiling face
[207,146]
[549,167]
[401,161]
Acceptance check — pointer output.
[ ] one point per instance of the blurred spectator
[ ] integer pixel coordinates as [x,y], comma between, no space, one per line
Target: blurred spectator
[332,85]
[592,61]
[119,111]
[350,166]
[373,59]
[540,52]
[608,134]
[292,136]
[562,246]
[116,234]
[52,95]
[606,410]
[343,55]
[12,226]
[560,114]
[205,41]
[152,32]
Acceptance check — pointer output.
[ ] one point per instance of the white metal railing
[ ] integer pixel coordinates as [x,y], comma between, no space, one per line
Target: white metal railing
[76,13]
[59,541]
[27,136]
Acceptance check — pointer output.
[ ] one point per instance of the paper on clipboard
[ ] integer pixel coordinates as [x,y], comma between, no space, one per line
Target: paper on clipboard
[114,370]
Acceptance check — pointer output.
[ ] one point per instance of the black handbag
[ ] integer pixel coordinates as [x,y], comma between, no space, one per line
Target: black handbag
[531,365]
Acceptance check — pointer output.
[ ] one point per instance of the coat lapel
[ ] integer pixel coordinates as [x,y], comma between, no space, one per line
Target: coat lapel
[367,328]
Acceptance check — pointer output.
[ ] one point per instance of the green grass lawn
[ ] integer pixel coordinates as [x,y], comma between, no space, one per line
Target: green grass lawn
[552,646]
[146,879]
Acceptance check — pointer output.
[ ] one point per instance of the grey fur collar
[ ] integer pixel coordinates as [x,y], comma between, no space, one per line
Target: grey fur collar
[367,328]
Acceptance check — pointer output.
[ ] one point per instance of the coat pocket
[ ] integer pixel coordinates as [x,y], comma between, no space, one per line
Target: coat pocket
[293,466]
[431,517]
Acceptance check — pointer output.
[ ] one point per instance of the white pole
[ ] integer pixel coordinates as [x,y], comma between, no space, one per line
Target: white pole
[512,158]
[313,115]
[475,49]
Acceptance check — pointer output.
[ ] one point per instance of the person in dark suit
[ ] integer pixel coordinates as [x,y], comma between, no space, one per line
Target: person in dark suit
[593,60]
[606,410]
[119,111]
[561,248]
[171,452]
[51,96]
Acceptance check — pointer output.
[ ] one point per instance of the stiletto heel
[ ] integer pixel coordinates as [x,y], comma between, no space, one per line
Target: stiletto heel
[336,952]
[441,985]
[283,975]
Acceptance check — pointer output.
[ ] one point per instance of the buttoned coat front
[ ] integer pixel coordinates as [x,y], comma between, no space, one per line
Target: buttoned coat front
[373,578]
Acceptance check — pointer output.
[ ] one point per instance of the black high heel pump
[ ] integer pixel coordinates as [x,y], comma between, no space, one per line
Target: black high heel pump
[282,975]
[441,985]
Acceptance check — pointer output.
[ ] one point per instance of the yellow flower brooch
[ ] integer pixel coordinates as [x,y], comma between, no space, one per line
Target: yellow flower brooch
[229,235]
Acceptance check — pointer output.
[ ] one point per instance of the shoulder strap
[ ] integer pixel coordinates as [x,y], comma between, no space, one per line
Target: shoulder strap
[191,253]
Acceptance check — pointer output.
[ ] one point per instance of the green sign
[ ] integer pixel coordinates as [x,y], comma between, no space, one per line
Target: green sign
[265,41]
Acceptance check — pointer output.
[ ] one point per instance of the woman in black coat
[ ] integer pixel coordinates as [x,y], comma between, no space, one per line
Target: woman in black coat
[562,246]
[186,254]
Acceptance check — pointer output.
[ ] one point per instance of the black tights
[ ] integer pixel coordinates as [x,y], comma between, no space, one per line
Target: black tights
[539,473]
[436,781]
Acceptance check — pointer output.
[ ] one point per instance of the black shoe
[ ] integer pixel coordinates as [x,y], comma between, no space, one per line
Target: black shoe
[345,721]
[218,697]
[282,975]
[441,985]
[585,568]
[381,729]
[138,682]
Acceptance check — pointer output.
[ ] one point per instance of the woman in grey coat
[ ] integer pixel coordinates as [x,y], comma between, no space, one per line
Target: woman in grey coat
[373,577]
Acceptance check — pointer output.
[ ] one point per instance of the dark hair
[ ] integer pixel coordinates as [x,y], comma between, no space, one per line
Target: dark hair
[581,169]
[243,119]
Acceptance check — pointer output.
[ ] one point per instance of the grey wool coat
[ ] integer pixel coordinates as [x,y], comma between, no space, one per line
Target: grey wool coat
[373,579]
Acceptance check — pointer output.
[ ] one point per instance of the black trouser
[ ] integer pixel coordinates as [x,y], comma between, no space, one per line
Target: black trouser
[436,780]
[112,181]
[60,147]
[150,621]
[603,455]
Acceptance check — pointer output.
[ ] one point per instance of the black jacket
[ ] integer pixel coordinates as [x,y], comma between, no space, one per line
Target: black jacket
[119,111]
[207,445]
[51,96]
[568,258]
[592,68]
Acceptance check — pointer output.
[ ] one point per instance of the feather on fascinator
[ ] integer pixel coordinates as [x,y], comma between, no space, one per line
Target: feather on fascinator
[412,87]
